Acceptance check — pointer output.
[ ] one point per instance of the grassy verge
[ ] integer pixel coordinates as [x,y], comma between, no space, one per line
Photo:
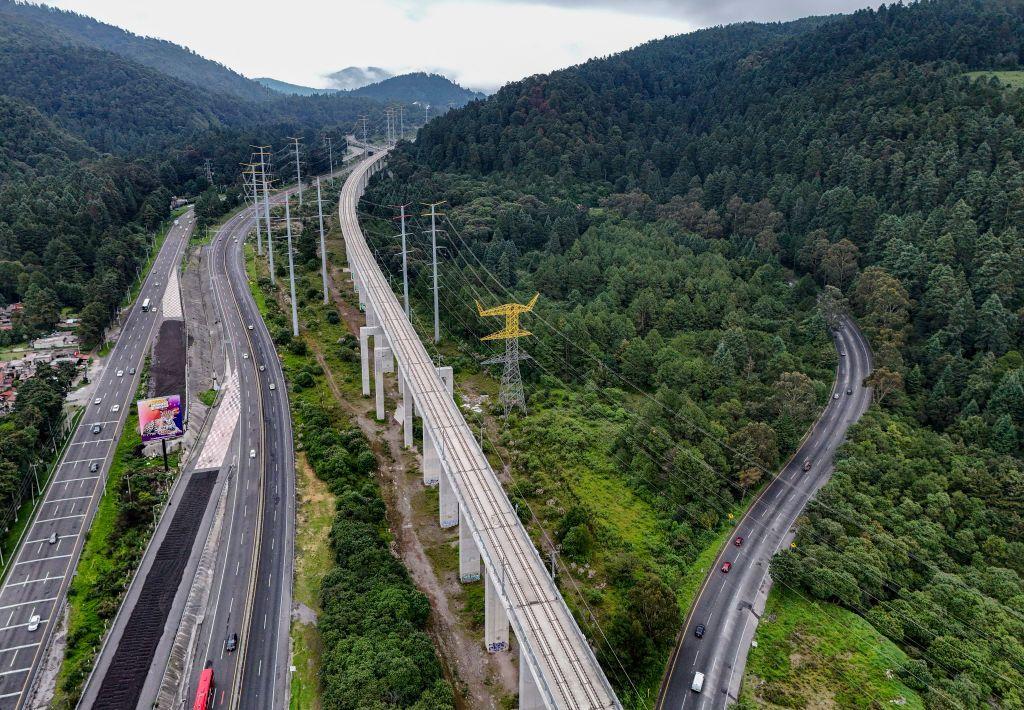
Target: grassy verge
[208,397]
[315,513]
[135,488]
[814,654]
[1012,79]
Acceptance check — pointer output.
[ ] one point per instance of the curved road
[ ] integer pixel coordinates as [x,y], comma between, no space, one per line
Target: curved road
[260,513]
[729,605]
[38,580]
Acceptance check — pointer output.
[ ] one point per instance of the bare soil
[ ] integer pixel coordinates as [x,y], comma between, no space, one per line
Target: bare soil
[481,679]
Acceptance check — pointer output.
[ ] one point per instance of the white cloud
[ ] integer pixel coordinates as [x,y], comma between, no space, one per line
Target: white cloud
[478,43]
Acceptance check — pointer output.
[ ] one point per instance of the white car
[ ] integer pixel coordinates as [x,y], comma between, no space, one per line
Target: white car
[97,400]
[120,373]
[250,326]
[262,368]
[252,453]
[273,386]
[33,623]
[245,356]
[116,408]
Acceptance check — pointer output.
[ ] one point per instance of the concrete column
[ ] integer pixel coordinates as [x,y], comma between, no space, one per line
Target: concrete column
[431,459]
[469,553]
[381,353]
[371,317]
[448,510]
[495,617]
[448,378]
[529,690]
[406,411]
[365,333]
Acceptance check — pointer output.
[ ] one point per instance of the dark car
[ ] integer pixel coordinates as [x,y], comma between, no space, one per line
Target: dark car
[849,390]
[698,631]
[738,541]
[94,467]
[231,643]
[726,567]
[97,428]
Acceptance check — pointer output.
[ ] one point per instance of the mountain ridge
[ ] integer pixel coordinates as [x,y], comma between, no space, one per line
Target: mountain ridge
[164,56]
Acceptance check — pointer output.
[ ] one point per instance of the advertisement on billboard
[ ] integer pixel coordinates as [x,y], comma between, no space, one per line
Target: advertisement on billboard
[160,418]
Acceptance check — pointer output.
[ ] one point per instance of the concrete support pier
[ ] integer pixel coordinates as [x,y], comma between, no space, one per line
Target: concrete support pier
[529,692]
[495,616]
[448,378]
[469,553]
[448,509]
[365,333]
[404,413]
[431,459]
[381,358]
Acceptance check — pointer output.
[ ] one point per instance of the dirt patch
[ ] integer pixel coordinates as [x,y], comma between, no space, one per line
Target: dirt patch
[168,366]
[481,679]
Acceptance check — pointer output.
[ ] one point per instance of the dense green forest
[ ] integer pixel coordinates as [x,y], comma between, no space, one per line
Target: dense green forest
[420,87]
[854,152]
[33,426]
[92,147]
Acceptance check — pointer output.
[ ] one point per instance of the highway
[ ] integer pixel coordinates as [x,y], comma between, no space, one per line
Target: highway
[38,580]
[252,584]
[551,644]
[729,604]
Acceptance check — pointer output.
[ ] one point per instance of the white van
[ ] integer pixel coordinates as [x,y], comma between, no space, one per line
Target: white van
[698,682]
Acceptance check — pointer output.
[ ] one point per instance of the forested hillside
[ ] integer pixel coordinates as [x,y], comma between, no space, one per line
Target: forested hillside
[72,218]
[419,87]
[854,151]
[166,57]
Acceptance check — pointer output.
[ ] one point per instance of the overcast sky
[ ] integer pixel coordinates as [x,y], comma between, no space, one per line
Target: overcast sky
[479,43]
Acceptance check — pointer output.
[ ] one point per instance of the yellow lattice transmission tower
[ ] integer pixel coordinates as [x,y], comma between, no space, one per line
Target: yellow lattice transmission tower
[511,393]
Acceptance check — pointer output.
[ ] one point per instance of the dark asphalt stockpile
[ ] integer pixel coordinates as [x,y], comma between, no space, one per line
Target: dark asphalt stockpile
[122,684]
[168,367]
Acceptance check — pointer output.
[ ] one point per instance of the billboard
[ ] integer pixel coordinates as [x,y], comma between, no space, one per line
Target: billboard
[160,418]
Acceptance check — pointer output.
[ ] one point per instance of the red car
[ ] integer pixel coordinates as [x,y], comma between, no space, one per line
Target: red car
[726,567]
[738,541]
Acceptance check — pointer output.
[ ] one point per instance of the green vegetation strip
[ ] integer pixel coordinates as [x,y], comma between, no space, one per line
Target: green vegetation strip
[816,654]
[135,489]
[369,647]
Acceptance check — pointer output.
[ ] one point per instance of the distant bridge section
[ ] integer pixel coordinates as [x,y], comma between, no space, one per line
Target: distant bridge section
[557,667]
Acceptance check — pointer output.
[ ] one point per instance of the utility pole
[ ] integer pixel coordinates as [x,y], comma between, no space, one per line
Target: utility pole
[291,267]
[266,213]
[426,114]
[323,244]
[387,116]
[209,170]
[401,122]
[298,171]
[405,266]
[363,119]
[433,257]
[256,209]
[330,154]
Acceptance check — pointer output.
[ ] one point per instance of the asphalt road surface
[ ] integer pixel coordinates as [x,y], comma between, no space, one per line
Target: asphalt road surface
[38,581]
[251,593]
[728,603]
